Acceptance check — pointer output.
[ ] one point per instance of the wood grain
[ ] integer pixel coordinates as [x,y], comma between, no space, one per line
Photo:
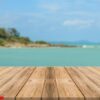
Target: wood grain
[34,86]
[11,88]
[50,88]
[66,87]
[50,83]
[89,89]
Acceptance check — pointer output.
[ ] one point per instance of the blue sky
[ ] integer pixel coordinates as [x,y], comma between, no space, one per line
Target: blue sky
[53,20]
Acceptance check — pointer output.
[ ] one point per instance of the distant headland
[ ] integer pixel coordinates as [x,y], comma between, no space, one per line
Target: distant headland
[11,38]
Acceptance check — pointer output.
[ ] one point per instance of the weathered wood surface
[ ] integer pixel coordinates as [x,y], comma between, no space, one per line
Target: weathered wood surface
[50,83]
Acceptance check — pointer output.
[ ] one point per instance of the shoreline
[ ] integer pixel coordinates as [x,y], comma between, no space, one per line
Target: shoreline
[35,45]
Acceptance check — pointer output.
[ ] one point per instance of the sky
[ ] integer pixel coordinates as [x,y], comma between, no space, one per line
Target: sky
[53,20]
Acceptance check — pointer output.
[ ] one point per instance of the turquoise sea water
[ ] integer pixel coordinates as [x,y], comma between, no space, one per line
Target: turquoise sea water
[49,57]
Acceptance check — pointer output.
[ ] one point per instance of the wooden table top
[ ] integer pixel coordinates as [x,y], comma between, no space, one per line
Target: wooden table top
[50,83]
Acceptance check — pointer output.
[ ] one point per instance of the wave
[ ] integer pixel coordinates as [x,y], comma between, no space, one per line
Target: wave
[90,46]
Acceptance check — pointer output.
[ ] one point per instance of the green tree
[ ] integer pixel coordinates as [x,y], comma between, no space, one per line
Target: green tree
[12,35]
[41,42]
[3,33]
[24,40]
[13,32]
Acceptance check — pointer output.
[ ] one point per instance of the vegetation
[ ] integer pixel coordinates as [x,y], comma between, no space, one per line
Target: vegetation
[2,42]
[41,42]
[11,35]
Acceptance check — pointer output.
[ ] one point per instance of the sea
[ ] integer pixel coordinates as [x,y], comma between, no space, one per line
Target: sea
[50,57]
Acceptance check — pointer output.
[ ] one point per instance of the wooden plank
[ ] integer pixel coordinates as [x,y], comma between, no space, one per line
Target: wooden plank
[66,87]
[50,83]
[13,86]
[4,70]
[95,70]
[34,86]
[50,88]
[94,77]
[10,73]
[87,87]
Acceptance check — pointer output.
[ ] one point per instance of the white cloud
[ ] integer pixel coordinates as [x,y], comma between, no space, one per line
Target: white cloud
[79,13]
[50,7]
[78,22]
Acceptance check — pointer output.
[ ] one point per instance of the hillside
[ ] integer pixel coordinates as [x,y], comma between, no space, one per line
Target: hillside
[12,36]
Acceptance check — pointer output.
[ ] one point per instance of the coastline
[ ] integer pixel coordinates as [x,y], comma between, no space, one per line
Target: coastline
[36,45]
